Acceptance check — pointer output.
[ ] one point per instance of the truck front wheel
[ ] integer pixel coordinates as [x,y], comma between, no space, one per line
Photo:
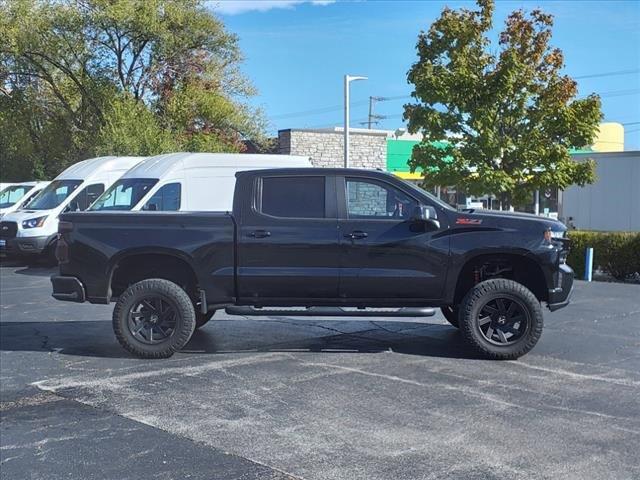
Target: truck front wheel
[501,319]
[153,318]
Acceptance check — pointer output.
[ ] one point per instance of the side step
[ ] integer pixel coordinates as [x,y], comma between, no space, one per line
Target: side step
[331,312]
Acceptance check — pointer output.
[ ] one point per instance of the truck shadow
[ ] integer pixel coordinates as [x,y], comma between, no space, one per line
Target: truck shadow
[96,339]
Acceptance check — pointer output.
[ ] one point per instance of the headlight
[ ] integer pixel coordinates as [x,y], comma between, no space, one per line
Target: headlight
[34,222]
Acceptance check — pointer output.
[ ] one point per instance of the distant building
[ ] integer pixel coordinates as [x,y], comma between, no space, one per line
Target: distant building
[612,203]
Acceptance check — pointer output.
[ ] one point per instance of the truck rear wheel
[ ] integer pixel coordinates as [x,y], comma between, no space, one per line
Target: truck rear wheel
[501,319]
[451,312]
[153,318]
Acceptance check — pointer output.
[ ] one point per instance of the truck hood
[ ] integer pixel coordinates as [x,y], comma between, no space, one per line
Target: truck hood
[507,220]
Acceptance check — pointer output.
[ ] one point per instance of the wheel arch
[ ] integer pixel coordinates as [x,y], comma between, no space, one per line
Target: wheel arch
[143,263]
[526,270]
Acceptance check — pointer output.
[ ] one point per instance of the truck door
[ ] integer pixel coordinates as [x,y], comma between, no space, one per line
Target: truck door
[384,253]
[288,239]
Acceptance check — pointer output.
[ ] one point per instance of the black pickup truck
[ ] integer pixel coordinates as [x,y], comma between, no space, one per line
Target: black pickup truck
[321,240]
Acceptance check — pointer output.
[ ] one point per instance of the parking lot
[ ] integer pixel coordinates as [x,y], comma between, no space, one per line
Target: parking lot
[277,398]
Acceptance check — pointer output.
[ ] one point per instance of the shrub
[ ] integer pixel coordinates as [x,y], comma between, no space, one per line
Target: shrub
[615,253]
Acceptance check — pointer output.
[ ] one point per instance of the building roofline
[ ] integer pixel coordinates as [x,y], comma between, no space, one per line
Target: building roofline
[625,153]
[340,130]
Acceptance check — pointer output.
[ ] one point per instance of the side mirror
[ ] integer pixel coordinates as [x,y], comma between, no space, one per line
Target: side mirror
[426,214]
[152,207]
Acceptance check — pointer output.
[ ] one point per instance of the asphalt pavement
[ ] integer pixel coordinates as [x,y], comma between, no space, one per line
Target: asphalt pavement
[316,398]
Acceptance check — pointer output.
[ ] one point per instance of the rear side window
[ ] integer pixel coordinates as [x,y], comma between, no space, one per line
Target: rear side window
[166,199]
[293,197]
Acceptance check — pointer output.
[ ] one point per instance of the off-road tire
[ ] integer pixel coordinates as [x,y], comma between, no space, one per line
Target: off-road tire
[169,292]
[451,313]
[490,290]
[203,318]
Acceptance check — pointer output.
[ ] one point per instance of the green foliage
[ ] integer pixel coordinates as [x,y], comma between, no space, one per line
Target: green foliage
[80,78]
[615,253]
[508,119]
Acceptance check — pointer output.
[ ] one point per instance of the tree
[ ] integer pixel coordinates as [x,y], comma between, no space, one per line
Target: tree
[500,124]
[129,77]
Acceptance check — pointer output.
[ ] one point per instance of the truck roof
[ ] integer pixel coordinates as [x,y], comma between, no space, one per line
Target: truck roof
[162,165]
[86,168]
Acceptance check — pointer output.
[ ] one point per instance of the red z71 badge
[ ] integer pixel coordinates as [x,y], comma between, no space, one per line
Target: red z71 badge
[468,221]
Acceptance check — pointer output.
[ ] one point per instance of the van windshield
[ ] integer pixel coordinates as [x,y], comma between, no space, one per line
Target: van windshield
[124,194]
[53,195]
[10,195]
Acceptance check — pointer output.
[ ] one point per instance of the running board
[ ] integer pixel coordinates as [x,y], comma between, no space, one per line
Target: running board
[331,312]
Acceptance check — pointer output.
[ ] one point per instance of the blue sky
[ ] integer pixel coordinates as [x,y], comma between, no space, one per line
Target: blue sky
[296,53]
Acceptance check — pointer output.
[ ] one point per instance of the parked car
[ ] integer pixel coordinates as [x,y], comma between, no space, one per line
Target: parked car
[16,196]
[34,229]
[187,181]
[316,238]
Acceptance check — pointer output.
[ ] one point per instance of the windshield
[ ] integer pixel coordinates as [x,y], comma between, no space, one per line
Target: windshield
[432,197]
[124,194]
[54,194]
[10,195]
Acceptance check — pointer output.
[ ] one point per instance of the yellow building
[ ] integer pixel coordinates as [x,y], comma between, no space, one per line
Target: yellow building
[610,138]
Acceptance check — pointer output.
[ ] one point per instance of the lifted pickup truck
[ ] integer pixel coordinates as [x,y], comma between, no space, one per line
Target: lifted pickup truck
[322,240]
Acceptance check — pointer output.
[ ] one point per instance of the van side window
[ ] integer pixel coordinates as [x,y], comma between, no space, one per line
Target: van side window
[86,197]
[293,197]
[166,199]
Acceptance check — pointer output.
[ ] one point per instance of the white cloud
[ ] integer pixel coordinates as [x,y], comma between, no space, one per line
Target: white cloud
[235,7]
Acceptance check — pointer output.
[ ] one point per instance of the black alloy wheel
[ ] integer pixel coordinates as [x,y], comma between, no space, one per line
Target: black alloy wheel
[152,320]
[503,320]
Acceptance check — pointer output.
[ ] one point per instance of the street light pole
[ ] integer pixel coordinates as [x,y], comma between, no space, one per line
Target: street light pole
[347,79]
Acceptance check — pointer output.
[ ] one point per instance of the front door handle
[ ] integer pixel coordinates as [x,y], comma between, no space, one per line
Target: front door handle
[356,235]
[260,234]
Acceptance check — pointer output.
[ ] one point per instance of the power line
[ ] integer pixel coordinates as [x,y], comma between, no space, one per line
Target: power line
[608,74]
[333,108]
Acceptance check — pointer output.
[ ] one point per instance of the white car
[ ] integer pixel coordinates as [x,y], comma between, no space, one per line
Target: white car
[34,229]
[16,196]
[187,181]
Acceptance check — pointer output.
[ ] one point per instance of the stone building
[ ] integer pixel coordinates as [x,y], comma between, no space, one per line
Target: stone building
[325,147]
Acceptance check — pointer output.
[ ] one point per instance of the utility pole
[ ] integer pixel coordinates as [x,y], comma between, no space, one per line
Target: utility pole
[347,79]
[374,118]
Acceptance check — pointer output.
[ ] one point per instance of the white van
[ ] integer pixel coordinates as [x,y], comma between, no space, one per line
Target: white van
[16,196]
[34,229]
[187,181]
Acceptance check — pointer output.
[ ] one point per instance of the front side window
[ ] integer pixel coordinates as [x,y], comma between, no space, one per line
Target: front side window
[293,197]
[370,199]
[124,194]
[11,195]
[166,199]
[86,197]
[54,194]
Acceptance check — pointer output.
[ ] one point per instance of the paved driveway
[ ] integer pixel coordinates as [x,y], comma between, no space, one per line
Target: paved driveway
[317,398]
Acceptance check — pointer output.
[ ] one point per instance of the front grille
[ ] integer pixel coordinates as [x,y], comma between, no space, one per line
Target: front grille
[8,229]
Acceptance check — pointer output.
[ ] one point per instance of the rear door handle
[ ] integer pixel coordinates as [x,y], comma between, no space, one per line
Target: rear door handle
[260,234]
[356,235]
